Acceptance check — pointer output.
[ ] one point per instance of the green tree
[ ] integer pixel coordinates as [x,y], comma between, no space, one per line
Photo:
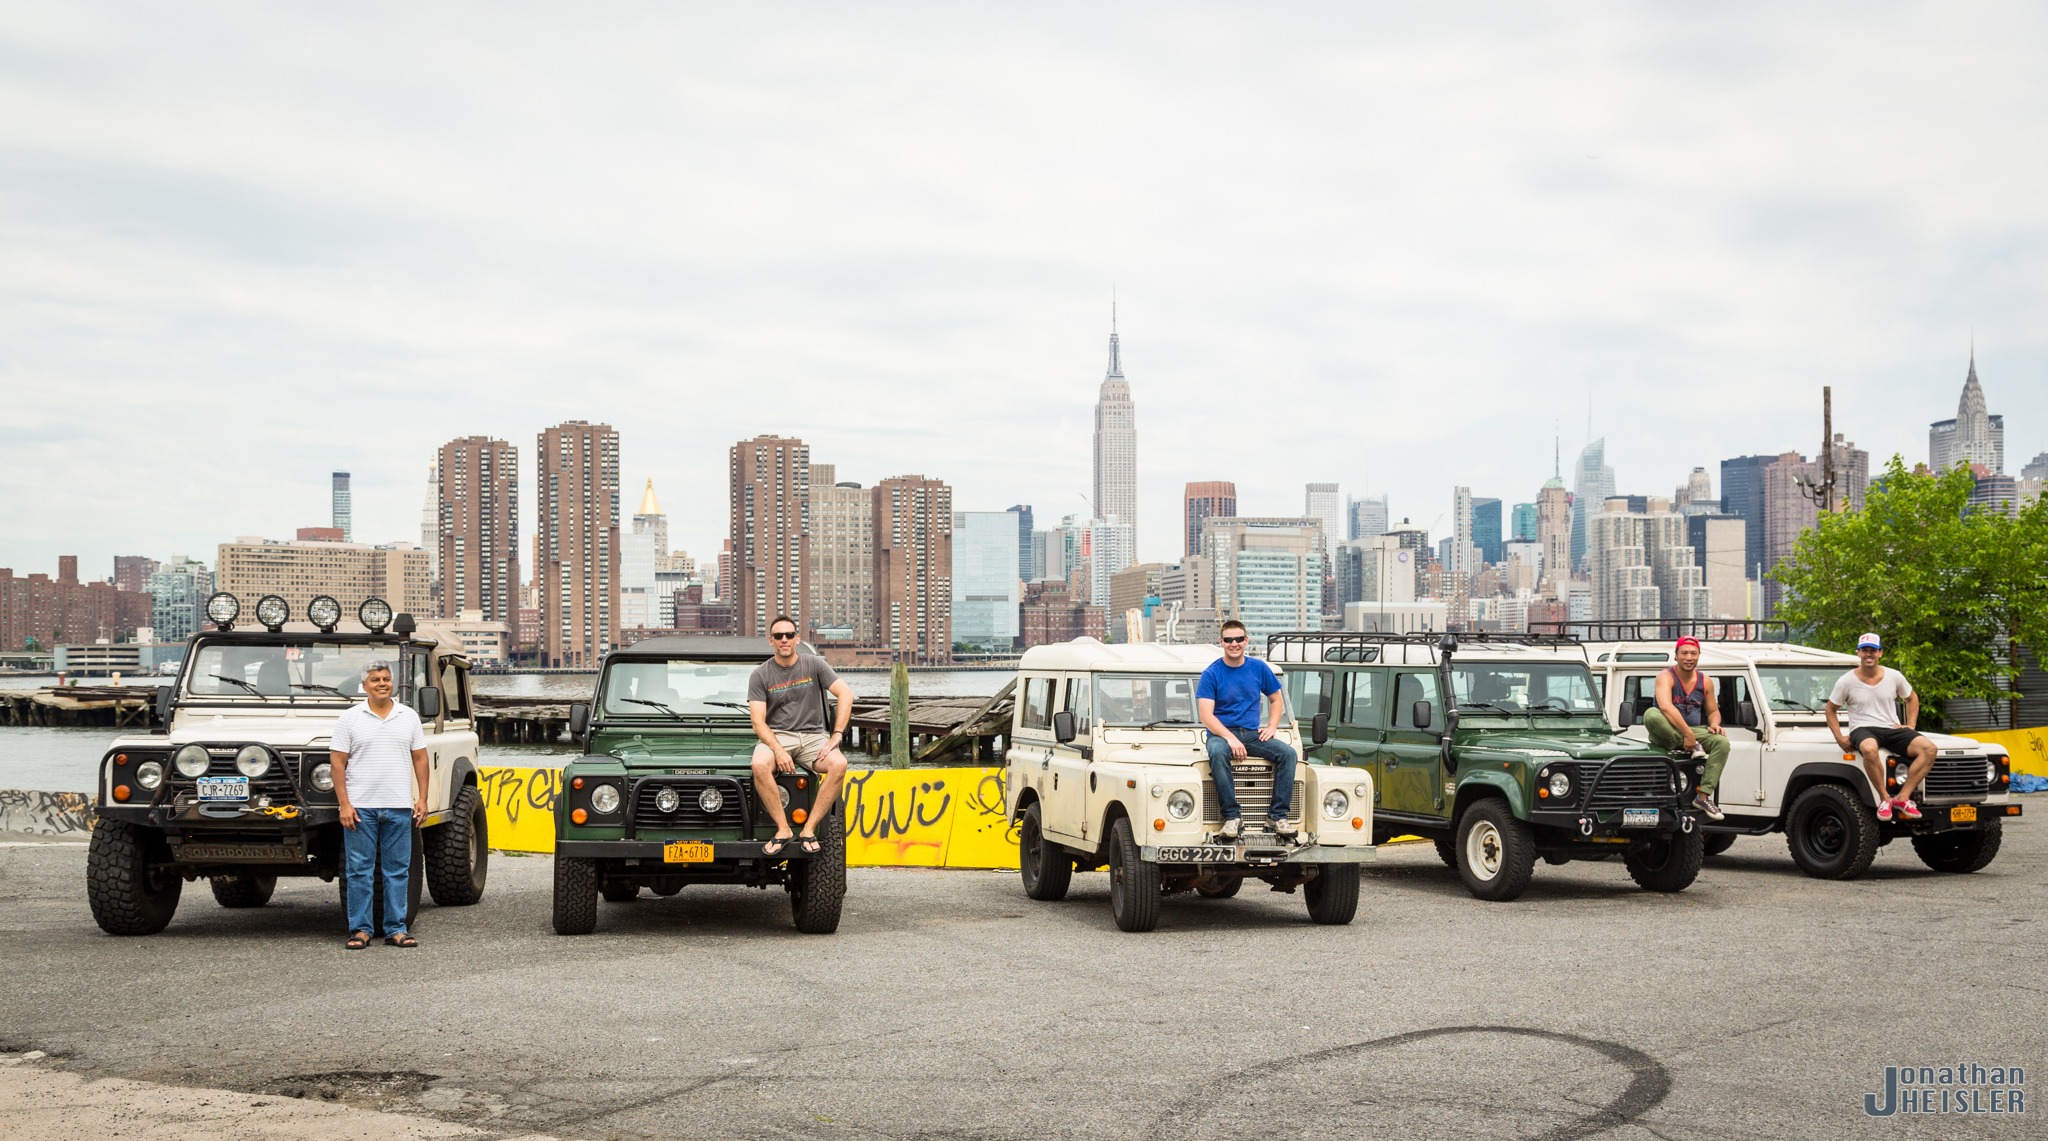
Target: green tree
[1949,589]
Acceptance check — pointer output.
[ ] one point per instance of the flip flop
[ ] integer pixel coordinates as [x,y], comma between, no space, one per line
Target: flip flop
[402,939]
[357,942]
[775,846]
[810,845]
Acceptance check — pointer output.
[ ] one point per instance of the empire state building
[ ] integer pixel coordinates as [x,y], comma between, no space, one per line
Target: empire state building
[1116,447]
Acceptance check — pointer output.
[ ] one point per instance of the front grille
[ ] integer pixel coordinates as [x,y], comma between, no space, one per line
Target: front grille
[688,815]
[1254,795]
[1959,777]
[1632,782]
[277,784]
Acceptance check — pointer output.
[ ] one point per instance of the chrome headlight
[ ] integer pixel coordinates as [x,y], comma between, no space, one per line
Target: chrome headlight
[1899,772]
[374,614]
[710,800]
[273,611]
[668,800]
[1990,772]
[784,790]
[192,761]
[253,760]
[604,799]
[149,774]
[1335,803]
[1680,779]
[323,777]
[1560,785]
[223,608]
[1180,805]
[323,612]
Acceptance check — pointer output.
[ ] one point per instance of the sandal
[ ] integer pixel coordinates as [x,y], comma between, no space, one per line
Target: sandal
[810,845]
[775,846]
[357,941]
[402,939]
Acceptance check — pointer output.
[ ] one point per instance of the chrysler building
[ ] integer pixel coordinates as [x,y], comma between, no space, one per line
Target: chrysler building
[1116,446]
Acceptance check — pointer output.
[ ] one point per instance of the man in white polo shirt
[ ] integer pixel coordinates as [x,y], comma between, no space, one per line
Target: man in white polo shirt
[379,754]
[1870,694]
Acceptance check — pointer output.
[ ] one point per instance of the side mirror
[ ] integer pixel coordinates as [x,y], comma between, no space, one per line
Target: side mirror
[1063,726]
[163,703]
[579,718]
[1745,714]
[428,702]
[1421,715]
[1319,729]
[1626,715]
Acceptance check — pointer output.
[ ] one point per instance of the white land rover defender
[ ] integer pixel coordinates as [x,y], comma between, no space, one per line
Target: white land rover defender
[237,788]
[1107,766]
[1786,772]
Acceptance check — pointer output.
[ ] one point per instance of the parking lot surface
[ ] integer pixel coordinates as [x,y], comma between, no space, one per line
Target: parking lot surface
[1759,1003]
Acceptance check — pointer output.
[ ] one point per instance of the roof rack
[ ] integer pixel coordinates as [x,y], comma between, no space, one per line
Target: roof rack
[1671,629]
[1335,643]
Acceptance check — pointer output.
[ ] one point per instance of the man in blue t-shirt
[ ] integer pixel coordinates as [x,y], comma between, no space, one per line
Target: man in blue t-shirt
[1230,699]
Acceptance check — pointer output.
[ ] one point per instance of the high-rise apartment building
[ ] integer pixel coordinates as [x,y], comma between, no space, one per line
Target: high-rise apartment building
[986,589]
[41,613]
[1129,589]
[1457,558]
[1624,587]
[771,498]
[178,592]
[1203,501]
[1742,495]
[1522,524]
[914,569]
[1112,546]
[1025,573]
[1486,529]
[132,572]
[1594,485]
[1975,436]
[1720,545]
[841,546]
[577,466]
[1116,445]
[1187,582]
[479,528]
[1366,517]
[1267,575]
[298,572]
[1681,583]
[1323,504]
[343,510]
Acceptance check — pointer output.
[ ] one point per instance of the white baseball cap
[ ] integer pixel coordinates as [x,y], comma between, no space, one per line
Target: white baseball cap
[1870,640]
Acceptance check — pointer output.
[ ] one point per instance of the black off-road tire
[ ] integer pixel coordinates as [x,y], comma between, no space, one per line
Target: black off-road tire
[817,884]
[1223,890]
[1961,851]
[575,896]
[1046,868]
[125,898]
[1719,842]
[1667,862]
[414,882]
[1831,834]
[620,893]
[1133,883]
[1506,851]
[243,889]
[666,890]
[459,852]
[1447,851]
[1333,894]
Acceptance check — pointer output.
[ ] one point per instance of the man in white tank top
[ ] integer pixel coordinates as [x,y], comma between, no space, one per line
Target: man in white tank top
[1870,693]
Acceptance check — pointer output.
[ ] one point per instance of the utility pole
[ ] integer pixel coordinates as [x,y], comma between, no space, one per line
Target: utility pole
[1822,492]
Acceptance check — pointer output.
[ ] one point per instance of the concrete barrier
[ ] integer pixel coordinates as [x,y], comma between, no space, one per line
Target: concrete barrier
[2027,747]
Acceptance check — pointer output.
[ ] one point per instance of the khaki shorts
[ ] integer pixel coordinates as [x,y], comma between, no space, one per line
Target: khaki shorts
[806,749]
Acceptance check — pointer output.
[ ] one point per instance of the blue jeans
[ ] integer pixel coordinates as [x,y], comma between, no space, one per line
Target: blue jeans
[1278,752]
[381,835]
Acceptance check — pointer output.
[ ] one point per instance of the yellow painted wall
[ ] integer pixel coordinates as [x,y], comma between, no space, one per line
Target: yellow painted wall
[951,818]
[2028,748]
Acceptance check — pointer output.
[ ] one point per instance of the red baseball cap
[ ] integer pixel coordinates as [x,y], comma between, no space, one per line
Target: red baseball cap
[1688,640]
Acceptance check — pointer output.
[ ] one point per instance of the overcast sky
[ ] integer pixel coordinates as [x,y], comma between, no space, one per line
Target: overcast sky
[1394,247]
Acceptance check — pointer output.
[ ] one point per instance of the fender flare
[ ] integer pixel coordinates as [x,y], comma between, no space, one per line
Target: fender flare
[1484,782]
[1835,772]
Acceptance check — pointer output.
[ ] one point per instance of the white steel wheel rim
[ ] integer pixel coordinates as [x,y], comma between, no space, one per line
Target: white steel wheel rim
[1483,852]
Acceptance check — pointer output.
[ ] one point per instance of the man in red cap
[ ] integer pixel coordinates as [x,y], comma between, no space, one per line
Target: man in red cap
[1688,717]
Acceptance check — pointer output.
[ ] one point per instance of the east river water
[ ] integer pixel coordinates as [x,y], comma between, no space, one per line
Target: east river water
[65,760]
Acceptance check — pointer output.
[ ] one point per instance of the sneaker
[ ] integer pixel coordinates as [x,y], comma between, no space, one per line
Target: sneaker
[1706,804]
[1282,828]
[1907,809]
[1231,828]
[1884,810]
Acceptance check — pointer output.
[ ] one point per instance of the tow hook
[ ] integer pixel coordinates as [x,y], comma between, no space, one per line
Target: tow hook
[1585,826]
[1687,818]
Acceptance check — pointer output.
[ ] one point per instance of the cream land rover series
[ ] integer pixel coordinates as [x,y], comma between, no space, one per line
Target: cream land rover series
[236,787]
[1106,766]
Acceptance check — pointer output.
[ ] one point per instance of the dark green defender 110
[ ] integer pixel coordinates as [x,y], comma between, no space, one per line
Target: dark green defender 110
[664,796]
[1519,764]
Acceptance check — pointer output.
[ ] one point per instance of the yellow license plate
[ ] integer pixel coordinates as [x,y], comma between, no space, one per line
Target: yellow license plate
[685,852]
[1963,814]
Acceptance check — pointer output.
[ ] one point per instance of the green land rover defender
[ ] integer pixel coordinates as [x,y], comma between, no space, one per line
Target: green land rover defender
[1519,764]
[664,796]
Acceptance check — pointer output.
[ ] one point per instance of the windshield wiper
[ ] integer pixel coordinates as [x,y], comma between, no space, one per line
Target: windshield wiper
[1777,702]
[317,685]
[1168,721]
[1550,705]
[243,684]
[655,704]
[1487,705]
[728,705]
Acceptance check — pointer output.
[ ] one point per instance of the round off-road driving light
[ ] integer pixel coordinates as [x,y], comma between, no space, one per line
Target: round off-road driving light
[605,798]
[711,800]
[1336,804]
[668,800]
[253,760]
[323,612]
[192,761]
[149,774]
[1180,805]
[222,609]
[374,614]
[273,612]
[323,777]
[1560,785]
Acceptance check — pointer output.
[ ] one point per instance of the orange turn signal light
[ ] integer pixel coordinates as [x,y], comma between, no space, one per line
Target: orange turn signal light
[1543,793]
[1358,822]
[121,792]
[1159,825]
[799,815]
[120,758]
[578,816]
[577,783]
[802,782]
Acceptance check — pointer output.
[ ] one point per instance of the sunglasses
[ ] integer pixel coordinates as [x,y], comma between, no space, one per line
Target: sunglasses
[1232,641]
[780,637]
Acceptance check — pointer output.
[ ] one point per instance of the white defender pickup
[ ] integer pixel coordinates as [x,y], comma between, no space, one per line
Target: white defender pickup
[1107,766]
[1786,772]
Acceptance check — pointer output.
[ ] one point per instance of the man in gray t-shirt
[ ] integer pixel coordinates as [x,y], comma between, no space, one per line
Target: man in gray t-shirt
[786,696]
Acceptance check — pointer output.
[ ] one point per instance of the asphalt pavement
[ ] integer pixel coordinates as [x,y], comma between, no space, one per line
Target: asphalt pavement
[1759,1003]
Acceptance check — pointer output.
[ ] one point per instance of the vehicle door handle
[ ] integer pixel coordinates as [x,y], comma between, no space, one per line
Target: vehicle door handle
[1393,764]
